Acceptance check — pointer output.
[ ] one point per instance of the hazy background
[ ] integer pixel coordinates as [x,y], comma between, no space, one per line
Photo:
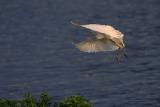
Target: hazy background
[37,54]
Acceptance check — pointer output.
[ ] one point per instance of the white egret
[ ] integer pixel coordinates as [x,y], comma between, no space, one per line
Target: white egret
[107,39]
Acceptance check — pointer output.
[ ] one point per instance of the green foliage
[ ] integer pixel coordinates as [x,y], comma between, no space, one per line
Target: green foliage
[8,103]
[28,101]
[74,101]
[45,101]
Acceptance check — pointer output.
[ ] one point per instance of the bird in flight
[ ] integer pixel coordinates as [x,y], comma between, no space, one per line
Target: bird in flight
[107,38]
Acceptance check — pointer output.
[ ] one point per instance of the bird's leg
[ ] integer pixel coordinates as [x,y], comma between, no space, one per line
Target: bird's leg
[125,54]
[117,58]
[120,56]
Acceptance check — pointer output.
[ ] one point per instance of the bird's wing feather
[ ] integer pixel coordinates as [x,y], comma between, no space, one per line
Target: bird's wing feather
[105,29]
[96,45]
[108,30]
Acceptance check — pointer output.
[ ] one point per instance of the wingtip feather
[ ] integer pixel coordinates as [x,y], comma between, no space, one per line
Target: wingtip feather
[73,23]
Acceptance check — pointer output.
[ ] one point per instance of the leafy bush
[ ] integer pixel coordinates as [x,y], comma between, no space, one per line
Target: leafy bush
[45,101]
[8,103]
[74,101]
[28,101]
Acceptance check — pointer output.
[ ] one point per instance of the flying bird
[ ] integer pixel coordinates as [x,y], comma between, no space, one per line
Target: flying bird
[107,38]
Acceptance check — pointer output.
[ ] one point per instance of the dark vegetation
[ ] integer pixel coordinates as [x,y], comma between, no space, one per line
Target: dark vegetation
[45,101]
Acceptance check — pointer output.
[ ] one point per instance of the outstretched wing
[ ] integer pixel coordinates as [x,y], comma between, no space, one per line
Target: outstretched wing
[107,30]
[96,45]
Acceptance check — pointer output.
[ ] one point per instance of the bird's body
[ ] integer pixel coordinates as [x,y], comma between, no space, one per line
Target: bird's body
[107,39]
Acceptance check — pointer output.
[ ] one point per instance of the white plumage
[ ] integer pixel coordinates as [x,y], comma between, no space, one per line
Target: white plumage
[96,45]
[107,39]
